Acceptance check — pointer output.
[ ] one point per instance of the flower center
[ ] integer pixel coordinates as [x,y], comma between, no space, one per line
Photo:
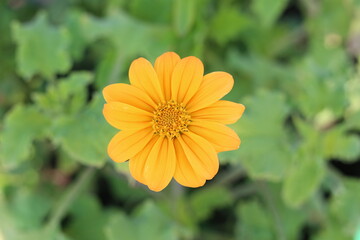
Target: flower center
[170,119]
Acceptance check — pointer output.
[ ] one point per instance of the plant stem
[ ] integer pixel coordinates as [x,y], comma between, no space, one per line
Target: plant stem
[244,190]
[269,202]
[231,176]
[68,198]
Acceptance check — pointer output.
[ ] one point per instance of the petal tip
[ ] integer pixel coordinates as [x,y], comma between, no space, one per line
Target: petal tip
[242,109]
[193,59]
[156,188]
[140,59]
[135,63]
[242,106]
[106,92]
[197,185]
[171,54]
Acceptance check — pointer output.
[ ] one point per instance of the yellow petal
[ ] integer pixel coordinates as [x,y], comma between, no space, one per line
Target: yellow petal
[186,79]
[125,93]
[184,172]
[160,165]
[221,137]
[215,86]
[142,75]
[125,116]
[137,163]
[126,144]
[221,111]
[201,154]
[164,67]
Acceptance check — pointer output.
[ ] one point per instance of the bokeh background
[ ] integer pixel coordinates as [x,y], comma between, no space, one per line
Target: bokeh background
[296,68]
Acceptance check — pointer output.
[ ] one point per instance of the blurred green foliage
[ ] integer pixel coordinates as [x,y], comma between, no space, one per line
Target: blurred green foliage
[296,68]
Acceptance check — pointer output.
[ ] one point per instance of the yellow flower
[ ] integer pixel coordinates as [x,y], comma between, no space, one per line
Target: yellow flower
[171,120]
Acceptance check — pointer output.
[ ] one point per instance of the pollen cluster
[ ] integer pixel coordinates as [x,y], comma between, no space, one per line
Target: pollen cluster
[170,119]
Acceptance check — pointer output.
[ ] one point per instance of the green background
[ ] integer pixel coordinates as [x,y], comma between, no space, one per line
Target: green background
[296,69]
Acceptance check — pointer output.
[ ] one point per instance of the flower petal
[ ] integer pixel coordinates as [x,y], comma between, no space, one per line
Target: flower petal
[220,136]
[125,116]
[160,165]
[201,154]
[142,75]
[222,111]
[164,67]
[126,144]
[137,163]
[125,93]
[215,86]
[186,79]
[184,172]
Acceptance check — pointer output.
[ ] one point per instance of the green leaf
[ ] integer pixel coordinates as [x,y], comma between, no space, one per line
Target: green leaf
[332,232]
[223,28]
[205,201]
[22,125]
[353,92]
[132,37]
[85,135]
[67,96]
[42,48]
[338,144]
[81,130]
[327,23]
[29,209]
[253,222]
[22,216]
[87,219]
[319,84]
[353,121]
[8,84]
[335,142]
[268,11]
[256,70]
[303,178]
[153,224]
[148,222]
[264,151]
[84,28]
[345,206]
[184,16]
[129,38]
[287,221]
[43,234]
[6,16]
[158,11]
[120,225]
[77,23]
[110,68]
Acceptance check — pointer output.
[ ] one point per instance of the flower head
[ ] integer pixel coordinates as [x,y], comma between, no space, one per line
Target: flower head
[172,121]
